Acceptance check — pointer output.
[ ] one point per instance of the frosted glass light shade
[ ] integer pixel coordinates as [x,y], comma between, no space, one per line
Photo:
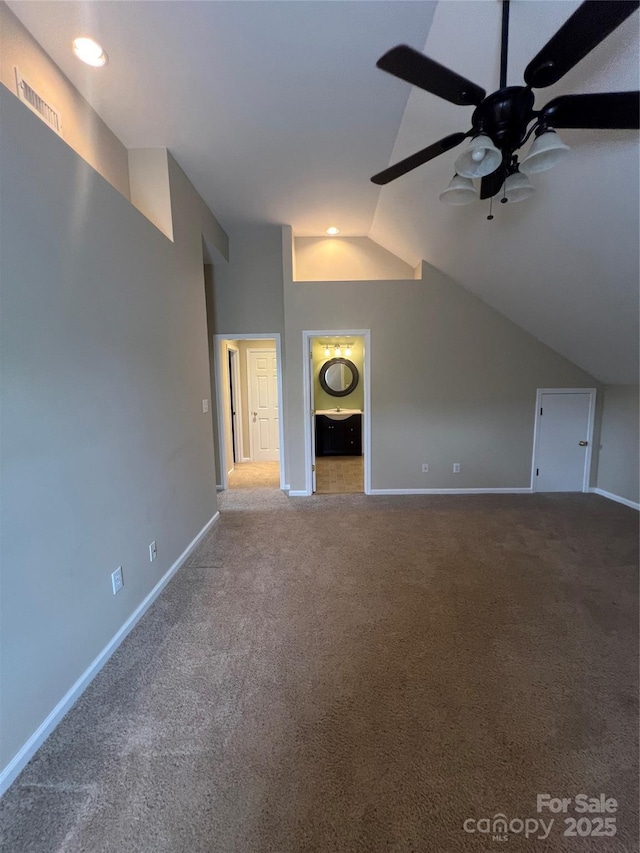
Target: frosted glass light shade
[460,191]
[546,150]
[517,187]
[480,158]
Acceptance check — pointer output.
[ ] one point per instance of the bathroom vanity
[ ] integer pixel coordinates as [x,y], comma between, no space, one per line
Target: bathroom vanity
[338,432]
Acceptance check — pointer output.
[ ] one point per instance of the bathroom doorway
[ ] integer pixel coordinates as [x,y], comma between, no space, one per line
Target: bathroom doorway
[337,425]
[249,402]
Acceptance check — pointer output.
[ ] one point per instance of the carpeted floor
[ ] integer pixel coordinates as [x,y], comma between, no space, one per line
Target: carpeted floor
[347,674]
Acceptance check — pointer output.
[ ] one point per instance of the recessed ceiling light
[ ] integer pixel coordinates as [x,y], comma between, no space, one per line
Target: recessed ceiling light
[333,231]
[90,51]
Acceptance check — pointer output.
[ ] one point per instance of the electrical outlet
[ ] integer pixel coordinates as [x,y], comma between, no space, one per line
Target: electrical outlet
[153,552]
[425,467]
[456,467]
[116,580]
[205,405]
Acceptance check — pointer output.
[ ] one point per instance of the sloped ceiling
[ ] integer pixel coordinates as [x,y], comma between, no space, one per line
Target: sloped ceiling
[563,264]
[277,114]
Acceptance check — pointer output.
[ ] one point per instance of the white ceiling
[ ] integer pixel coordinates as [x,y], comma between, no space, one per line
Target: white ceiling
[277,113]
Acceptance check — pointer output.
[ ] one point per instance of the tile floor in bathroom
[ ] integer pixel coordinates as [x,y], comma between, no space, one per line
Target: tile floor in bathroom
[339,474]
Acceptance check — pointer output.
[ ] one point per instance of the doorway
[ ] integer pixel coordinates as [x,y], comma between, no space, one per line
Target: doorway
[337,416]
[563,437]
[249,402]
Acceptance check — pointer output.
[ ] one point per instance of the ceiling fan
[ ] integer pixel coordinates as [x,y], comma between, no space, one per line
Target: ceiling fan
[503,121]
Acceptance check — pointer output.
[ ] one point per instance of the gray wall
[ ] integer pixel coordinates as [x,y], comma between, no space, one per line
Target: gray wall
[247,291]
[619,462]
[452,380]
[104,444]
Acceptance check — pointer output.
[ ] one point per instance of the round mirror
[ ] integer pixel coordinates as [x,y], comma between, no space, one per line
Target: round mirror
[338,377]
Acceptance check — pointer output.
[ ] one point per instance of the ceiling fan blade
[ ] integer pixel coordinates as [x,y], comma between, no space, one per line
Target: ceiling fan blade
[492,184]
[416,68]
[611,110]
[590,24]
[417,159]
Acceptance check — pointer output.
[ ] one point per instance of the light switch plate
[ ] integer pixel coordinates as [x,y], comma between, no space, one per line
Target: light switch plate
[205,405]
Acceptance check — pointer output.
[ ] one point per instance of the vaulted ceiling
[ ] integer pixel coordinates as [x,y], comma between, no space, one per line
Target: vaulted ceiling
[276,112]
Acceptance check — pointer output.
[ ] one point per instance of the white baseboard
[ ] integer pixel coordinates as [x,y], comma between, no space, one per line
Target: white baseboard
[219,488]
[24,755]
[515,491]
[296,494]
[610,496]
[247,459]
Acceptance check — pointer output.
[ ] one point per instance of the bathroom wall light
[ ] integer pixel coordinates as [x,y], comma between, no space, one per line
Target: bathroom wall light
[338,350]
[347,352]
[327,352]
[90,51]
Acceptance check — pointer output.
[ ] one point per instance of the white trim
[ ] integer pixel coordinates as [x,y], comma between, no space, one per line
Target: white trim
[219,488]
[307,335]
[589,438]
[617,498]
[507,491]
[218,340]
[298,494]
[27,751]
[238,427]
[247,459]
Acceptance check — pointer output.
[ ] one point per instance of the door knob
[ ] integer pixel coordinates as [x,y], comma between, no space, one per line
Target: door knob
[583,443]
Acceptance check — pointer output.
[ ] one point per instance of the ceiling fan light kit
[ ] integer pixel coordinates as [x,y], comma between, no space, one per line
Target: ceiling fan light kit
[460,190]
[503,121]
[546,150]
[480,158]
[517,187]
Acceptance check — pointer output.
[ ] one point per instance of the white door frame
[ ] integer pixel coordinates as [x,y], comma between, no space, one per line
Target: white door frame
[307,378]
[589,437]
[237,388]
[249,396]
[218,343]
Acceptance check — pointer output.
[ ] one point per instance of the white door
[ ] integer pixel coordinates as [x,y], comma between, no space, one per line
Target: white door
[263,402]
[563,434]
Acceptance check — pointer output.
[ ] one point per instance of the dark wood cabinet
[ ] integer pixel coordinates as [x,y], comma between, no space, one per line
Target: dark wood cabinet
[339,438]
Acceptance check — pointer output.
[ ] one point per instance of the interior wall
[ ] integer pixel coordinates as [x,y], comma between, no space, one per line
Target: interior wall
[321,399]
[619,461]
[452,380]
[149,186]
[82,127]
[346,259]
[105,446]
[248,290]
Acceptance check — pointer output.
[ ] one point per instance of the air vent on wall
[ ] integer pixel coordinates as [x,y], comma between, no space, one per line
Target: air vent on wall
[37,103]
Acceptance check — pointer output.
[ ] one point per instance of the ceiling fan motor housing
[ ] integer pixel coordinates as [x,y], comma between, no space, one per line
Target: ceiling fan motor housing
[505,116]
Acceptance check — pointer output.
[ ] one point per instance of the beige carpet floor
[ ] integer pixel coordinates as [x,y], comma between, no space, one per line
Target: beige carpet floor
[352,674]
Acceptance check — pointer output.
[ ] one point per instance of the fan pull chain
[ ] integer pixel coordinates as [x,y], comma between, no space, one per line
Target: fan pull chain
[490,216]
